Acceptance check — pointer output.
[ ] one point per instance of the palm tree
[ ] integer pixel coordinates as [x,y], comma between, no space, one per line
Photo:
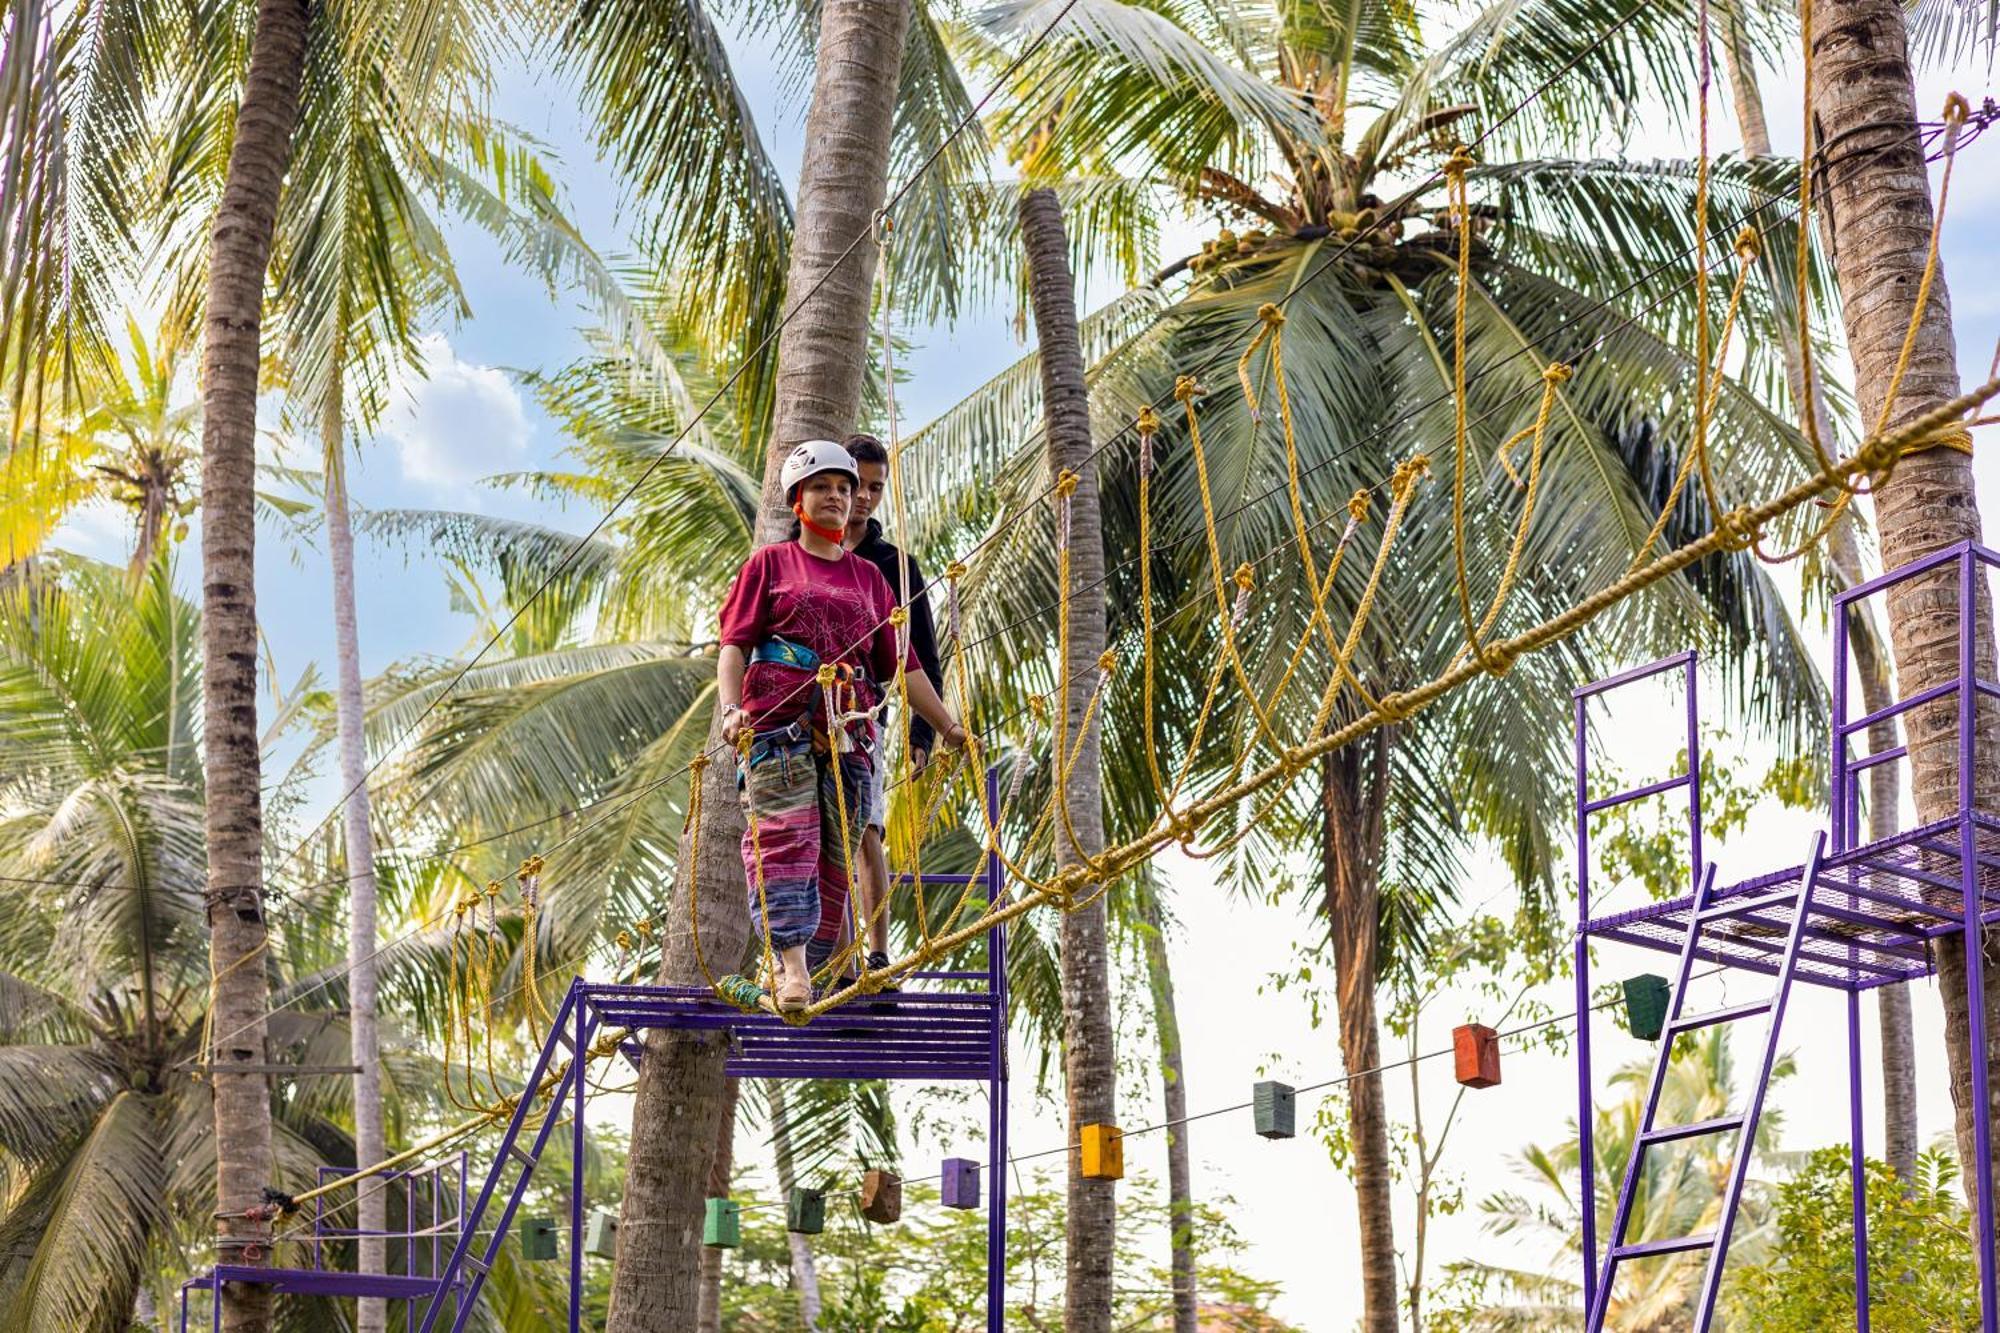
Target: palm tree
[105,1139]
[1677,1196]
[821,354]
[1879,207]
[1561,256]
[1807,387]
[1089,1057]
[130,439]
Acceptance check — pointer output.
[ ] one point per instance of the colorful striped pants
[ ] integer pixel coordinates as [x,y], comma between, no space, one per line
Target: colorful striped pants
[792,844]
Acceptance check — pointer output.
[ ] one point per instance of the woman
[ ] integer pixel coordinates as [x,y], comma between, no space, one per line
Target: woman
[795,606]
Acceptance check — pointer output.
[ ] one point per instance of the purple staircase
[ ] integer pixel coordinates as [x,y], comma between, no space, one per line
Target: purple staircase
[1855,915]
[923,1032]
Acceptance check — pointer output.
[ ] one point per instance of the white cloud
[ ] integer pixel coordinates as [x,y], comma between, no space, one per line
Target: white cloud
[457,421]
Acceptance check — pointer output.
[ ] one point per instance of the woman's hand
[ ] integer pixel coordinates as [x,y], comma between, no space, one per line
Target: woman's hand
[954,735]
[732,722]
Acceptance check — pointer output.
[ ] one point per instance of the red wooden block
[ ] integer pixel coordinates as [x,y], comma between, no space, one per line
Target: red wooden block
[1475,1052]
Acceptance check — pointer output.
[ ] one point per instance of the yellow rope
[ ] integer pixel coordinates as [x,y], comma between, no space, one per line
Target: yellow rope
[530,876]
[1552,379]
[1460,207]
[1876,457]
[1185,389]
[1955,112]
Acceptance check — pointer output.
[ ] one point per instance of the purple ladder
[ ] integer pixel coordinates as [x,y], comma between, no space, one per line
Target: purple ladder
[1857,915]
[929,1035]
[1744,1124]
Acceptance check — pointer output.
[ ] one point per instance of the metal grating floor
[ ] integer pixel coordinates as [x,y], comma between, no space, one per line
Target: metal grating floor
[1875,912]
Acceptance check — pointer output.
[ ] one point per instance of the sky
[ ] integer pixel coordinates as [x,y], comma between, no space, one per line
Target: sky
[467,417]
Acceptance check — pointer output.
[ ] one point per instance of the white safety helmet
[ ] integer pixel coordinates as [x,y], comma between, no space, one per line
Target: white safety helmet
[812,458]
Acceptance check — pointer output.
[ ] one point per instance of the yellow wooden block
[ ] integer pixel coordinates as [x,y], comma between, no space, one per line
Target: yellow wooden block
[1103,1152]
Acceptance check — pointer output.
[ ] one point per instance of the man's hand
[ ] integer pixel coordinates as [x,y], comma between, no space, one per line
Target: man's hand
[919,759]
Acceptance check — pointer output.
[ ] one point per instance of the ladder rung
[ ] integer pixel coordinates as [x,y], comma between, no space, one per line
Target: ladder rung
[1671,1245]
[525,1157]
[1692,1130]
[1762,902]
[1714,1016]
[477,1264]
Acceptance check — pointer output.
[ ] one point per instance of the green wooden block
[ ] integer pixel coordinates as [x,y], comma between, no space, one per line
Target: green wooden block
[538,1238]
[1276,1108]
[805,1211]
[722,1224]
[1646,997]
[600,1234]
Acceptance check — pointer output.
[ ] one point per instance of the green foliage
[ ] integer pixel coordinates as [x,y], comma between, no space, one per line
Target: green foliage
[1920,1262]
[927,1274]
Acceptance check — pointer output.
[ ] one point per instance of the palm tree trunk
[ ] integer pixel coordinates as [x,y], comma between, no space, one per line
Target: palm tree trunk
[1899,1064]
[239,252]
[1354,781]
[805,1273]
[708,1306]
[1878,193]
[1088,1056]
[822,354]
[370,1138]
[1173,1080]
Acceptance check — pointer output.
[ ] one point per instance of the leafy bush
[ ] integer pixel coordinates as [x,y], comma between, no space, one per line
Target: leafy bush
[1920,1262]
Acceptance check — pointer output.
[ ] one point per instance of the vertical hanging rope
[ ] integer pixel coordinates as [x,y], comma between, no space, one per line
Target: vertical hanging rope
[1459,205]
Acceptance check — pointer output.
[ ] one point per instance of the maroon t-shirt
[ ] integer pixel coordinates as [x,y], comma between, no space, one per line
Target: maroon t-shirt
[838,608]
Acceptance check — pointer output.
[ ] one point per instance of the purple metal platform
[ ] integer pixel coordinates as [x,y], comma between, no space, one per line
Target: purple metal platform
[934,1035]
[433,1199]
[1865,914]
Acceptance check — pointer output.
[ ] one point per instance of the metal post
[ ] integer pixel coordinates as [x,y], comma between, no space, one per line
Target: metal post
[1975,945]
[1586,1149]
[579,1057]
[1689,673]
[996,1123]
[1837,805]
[1857,1160]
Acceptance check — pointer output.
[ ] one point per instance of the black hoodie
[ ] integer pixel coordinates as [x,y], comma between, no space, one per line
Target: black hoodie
[923,629]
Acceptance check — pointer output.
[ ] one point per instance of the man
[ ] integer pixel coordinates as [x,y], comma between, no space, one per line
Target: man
[864,538]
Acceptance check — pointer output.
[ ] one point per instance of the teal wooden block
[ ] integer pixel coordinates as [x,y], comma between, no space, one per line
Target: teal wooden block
[1646,997]
[1276,1108]
[722,1224]
[538,1238]
[805,1211]
[600,1234]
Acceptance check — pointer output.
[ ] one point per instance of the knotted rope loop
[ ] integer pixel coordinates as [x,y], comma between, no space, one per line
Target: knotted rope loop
[1148,421]
[882,225]
[1246,577]
[1186,389]
[1956,109]
[1739,533]
[1408,473]
[1107,661]
[955,570]
[1749,245]
[1357,505]
[1497,659]
[1557,373]
[1460,162]
[826,675]
[900,617]
[1395,707]
[1271,313]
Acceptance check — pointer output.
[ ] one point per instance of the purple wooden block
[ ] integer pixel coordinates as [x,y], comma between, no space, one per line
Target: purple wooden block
[961,1182]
